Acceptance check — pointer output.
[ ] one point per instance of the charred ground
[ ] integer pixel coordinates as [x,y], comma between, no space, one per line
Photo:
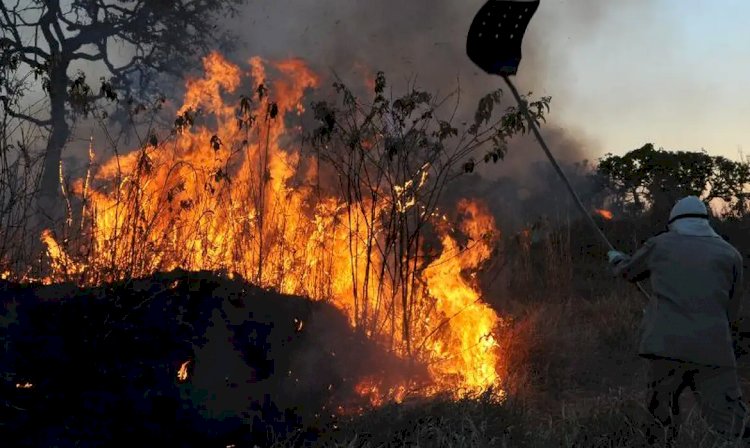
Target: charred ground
[100,366]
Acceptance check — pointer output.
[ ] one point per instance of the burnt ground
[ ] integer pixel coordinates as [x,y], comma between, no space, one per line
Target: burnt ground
[102,364]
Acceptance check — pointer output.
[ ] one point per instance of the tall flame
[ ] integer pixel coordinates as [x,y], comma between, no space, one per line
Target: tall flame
[467,351]
[229,192]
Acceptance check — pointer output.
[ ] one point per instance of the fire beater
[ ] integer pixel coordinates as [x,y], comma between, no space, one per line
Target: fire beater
[494,44]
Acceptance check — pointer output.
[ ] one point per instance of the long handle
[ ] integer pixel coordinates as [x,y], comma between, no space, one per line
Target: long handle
[561,173]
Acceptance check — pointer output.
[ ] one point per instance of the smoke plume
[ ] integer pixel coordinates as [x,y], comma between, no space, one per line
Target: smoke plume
[423,42]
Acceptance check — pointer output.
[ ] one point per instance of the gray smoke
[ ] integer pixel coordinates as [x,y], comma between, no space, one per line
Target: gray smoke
[423,41]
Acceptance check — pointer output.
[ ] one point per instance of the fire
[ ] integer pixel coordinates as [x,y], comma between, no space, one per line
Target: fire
[371,389]
[366,74]
[467,350]
[60,262]
[230,191]
[25,385]
[606,214]
[182,374]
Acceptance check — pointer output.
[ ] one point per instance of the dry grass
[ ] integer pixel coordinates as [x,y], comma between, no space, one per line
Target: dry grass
[572,374]
[573,381]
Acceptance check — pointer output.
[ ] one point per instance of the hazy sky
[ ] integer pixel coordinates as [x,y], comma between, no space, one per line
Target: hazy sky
[675,73]
[621,73]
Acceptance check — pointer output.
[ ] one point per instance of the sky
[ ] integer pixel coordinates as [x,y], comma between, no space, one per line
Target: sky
[621,73]
[676,76]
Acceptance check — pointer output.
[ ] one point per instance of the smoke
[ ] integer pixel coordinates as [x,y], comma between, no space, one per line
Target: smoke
[423,41]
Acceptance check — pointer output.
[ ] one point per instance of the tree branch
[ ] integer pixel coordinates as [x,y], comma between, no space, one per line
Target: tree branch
[10,24]
[56,11]
[24,50]
[45,23]
[87,57]
[29,118]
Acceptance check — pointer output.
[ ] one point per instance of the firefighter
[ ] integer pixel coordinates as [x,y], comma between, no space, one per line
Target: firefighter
[686,333]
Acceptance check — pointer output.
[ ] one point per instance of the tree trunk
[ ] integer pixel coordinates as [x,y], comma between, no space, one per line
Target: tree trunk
[51,207]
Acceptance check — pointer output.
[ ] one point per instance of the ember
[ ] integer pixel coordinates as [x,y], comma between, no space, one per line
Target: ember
[606,214]
[182,374]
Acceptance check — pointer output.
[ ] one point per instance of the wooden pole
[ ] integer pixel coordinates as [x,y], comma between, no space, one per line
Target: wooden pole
[561,173]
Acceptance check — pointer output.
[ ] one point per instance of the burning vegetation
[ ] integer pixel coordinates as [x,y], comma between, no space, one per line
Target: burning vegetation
[352,216]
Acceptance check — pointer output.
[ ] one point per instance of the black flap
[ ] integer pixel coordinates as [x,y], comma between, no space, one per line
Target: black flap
[495,36]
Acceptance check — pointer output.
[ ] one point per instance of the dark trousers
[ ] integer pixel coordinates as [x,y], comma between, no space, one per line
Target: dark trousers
[716,390]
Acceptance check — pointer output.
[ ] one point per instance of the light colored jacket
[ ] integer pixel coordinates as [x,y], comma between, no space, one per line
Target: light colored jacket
[696,278]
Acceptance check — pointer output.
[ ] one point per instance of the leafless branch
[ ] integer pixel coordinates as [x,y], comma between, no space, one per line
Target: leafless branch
[30,119]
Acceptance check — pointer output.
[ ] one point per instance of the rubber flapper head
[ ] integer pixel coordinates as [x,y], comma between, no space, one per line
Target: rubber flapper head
[496,34]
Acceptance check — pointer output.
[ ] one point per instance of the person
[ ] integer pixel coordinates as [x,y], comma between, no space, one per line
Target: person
[696,279]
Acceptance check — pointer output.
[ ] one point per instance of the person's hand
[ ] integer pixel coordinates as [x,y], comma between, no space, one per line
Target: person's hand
[615,257]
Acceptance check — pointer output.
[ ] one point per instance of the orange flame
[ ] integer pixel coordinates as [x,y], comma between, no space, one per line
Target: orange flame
[182,374]
[226,196]
[606,214]
[467,351]
[60,262]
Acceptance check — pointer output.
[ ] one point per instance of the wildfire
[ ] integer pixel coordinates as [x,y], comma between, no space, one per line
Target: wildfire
[61,263]
[371,389]
[182,374]
[606,214]
[467,349]
[228,192]
[25,385]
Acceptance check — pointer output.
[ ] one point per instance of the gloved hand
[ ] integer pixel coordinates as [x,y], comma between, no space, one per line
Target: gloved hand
[615,257]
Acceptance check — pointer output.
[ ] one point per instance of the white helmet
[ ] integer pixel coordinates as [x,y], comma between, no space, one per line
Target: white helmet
[688,207]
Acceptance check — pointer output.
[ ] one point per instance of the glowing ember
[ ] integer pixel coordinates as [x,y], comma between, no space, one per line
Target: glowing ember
[182,374]
[606,214]
[370,389]
[229,192]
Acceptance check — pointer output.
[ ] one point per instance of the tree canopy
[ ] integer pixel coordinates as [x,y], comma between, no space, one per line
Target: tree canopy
[650,178]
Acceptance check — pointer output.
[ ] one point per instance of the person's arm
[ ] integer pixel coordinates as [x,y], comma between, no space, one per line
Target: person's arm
[735,292]
[635,268]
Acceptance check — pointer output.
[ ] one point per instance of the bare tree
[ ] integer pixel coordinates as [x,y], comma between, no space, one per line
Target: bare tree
[130,39]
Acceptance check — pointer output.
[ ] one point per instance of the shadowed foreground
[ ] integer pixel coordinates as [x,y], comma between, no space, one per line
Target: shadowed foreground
[97,366]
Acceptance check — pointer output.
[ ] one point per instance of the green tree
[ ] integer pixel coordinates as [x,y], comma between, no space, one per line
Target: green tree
[653,179]
[131,39]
